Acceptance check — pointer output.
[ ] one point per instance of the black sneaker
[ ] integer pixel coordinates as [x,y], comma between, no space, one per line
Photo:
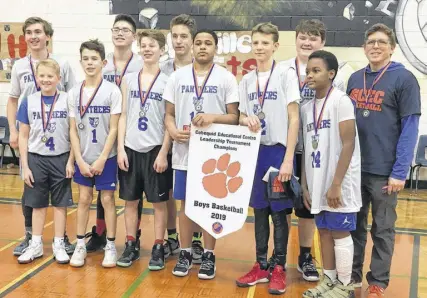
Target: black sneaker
[130,254]
[184,264]
[19,250]
[198,250]
[157,261]
[69,247]
[171,247]
[307,268]
[96,242]
[207,268]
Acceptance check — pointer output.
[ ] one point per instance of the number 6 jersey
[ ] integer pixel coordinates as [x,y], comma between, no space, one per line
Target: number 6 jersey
[93,121]
[322,151]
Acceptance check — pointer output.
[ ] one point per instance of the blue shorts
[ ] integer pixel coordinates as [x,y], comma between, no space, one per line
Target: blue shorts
[106,181]
[180,185]
[336,221]
[268,156]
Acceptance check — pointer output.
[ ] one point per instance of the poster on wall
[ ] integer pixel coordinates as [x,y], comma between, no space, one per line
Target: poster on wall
[12,48]
[221,167]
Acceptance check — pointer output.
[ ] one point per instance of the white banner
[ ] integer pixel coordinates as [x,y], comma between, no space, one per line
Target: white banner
[221,169]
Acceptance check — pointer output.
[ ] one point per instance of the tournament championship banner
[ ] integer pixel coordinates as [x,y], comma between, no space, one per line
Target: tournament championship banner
[221,168]
[12,48]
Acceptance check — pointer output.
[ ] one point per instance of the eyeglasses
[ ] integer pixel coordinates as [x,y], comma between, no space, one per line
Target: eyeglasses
[116,30]
[381,42]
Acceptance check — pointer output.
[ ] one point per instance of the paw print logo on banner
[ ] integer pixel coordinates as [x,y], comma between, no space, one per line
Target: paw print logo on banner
[225,180]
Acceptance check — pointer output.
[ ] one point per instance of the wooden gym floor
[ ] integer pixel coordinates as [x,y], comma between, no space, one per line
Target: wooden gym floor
[235,256]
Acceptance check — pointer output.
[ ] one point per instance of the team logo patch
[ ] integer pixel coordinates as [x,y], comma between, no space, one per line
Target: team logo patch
[217,227]
[225,180]
[94,121]
[51,127]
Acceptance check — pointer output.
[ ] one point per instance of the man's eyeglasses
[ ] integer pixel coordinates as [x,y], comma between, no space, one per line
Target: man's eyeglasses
[116,30]
[381,42]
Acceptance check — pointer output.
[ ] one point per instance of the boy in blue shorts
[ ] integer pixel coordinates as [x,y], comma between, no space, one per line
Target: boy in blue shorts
[331,174]
[95,107]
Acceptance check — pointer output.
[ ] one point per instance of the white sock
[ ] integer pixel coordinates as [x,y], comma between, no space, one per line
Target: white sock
[344,251]
[81,242]
[209,250]
[57,240]
[188,250]
[36,239]
[332,274]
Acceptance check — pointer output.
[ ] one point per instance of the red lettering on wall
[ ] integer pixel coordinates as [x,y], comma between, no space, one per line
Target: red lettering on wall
[234,63]
[12,46]
[248,65]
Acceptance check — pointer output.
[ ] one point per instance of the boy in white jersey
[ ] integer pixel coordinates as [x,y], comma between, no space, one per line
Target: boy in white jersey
[198,94]
[47,163]
[310,37]
[183,28]
[331,174]
[119,63]
[269,101]
[143,146]
[95,107]
[38,33]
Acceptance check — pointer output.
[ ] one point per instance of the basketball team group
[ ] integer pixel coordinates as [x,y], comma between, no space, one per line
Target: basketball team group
[349,143]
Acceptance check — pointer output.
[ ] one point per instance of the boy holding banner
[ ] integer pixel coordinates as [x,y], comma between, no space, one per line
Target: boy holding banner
[201,93]
[270,98]
[143,146]
[331,174]
[95,107]
[38,33]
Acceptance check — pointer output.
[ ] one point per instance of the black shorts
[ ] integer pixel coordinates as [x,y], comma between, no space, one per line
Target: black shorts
[141,178]
[304,212]
[49,179]
[169,172]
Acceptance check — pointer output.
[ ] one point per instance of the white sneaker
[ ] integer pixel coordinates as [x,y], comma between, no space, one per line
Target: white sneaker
[33,251]
[79,256]
[59,252]
[110,255]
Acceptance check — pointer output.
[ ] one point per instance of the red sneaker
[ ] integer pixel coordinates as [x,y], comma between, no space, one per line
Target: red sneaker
[277,281]
[256,275]
[375,291]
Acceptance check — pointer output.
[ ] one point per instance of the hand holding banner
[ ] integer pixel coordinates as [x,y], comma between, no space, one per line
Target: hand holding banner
[221,167]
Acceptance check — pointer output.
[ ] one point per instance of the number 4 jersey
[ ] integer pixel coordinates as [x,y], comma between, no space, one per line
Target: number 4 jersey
[93,121]
[323,149]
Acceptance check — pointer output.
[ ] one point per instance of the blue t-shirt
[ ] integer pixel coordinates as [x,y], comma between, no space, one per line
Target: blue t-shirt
[394,98]
[23,109]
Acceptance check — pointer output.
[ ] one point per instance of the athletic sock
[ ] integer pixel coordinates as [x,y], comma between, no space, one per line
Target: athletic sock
[111,239]
[36,238]
[81,240]
[100,226]
[344,251]
[158,241]
[172,234]
[197,236]
[332,274]
[208,250]
[304,250]
[57,240]
[130,238]
[188,250]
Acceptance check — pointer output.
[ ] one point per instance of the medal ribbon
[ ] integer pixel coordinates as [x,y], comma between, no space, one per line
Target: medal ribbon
[144,98]
[33,72]
[46,123]
[82,109]
[376,80]
[119,79]
[262,97]
[199,92]
[317,123]
[301,84]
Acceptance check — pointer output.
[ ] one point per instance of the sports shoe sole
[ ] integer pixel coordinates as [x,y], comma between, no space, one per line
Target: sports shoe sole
[206,277]
[307,278]
[276,292]
[155,268]
[61,262]
[126,265]
[242,285]
[30,261]
[182,274]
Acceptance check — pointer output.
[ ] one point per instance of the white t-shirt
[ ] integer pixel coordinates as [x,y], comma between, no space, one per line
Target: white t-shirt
[221,89]
[321,162]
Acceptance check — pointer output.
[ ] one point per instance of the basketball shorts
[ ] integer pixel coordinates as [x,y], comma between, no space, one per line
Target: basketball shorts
[268,156]
[142,178]
[106,181]
[49,180]
[336,221]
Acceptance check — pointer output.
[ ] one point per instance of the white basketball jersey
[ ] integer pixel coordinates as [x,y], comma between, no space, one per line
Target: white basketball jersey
[322,153]
[281,90]
[114,75]
[221,89]
[23,81]
[57,132]
[94,127]
[145,127]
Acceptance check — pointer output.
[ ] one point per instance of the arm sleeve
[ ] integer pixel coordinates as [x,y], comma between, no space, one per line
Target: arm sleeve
[15,91]
[71,105]
[232,89]
[290,84]
[169,92]
[116,101]
[409,97]
[345,109]
[243,97]
[23,112]
[405,146]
